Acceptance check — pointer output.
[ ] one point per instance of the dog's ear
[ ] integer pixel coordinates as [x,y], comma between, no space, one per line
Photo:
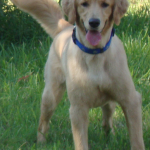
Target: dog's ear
[69,10]
[120,9]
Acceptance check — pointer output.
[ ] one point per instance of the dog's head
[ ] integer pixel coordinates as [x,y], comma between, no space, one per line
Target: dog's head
[94,15]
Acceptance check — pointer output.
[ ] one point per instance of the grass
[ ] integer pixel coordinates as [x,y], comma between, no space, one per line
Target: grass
[22,63]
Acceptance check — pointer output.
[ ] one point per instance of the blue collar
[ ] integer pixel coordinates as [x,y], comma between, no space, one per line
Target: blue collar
[89,50]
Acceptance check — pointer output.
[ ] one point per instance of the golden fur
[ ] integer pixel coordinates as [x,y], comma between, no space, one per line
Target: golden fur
[91,80]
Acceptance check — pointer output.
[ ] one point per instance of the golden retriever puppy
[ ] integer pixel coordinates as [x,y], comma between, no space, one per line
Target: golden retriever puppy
[90,62]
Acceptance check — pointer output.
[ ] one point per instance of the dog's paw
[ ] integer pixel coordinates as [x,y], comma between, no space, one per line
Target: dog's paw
[41,138]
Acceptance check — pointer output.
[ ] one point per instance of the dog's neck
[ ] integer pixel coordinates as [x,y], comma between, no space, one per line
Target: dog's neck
[81,36]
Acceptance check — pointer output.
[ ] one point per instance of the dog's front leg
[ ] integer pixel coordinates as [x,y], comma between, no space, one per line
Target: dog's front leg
[79,122]
[133,114]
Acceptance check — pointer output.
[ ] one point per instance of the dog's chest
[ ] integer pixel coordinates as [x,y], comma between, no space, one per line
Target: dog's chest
[88,70]
[88,79]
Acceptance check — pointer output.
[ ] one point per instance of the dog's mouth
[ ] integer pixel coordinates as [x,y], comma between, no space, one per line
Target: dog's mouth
[93,37]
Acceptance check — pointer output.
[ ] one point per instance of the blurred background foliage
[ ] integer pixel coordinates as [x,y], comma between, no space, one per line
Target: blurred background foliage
[17,26]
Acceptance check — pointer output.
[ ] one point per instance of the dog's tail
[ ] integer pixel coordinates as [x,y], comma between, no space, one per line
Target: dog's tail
[46,12]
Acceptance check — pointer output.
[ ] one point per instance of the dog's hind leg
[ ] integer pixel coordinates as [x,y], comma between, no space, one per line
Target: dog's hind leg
[53,92]
[108,111]
[50,99]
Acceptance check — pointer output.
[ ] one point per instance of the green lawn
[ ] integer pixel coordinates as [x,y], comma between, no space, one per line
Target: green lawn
[23,53]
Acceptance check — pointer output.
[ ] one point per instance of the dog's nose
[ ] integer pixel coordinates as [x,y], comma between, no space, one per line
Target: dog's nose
[94,23]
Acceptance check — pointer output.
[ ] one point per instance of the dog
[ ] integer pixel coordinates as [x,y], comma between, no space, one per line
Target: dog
[88,60]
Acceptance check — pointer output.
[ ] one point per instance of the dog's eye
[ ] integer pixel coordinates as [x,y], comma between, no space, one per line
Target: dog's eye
[104,5]
[85,4]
